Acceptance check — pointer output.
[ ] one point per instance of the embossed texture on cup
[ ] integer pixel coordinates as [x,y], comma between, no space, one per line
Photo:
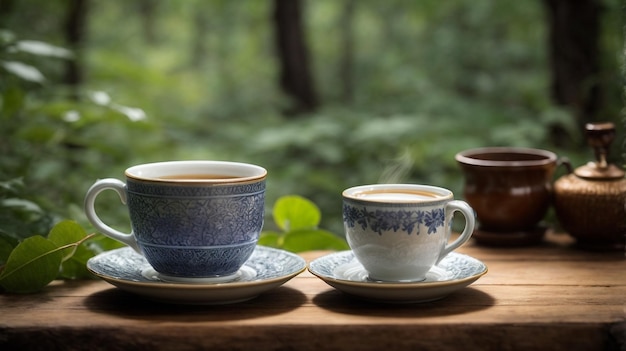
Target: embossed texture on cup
[189,228]
[400,236]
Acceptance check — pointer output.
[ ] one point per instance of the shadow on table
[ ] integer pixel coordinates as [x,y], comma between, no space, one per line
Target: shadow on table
[124,304]
[463,301]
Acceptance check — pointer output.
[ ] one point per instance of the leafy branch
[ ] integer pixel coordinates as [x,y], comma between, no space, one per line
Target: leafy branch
[36,261]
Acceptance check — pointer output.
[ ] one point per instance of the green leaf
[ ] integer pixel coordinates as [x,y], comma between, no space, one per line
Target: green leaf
[12,101]
[67,233]
[32,265]
[76,266]
[132,113]
[270,239]
[295,212]
[6,36]
[21,204]
[308,240]
[41,48]
[23,71]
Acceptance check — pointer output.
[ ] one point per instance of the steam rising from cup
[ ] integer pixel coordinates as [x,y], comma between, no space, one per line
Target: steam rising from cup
[398,170]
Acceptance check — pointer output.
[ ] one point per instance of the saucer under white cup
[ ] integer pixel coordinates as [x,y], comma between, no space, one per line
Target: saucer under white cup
[343,271]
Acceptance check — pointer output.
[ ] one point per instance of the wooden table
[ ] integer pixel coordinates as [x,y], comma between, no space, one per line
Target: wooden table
[546,297]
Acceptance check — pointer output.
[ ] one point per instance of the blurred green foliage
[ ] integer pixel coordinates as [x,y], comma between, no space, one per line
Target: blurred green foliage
[198,80]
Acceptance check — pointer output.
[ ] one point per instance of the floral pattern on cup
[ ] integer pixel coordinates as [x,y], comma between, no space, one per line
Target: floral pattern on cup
[394,220]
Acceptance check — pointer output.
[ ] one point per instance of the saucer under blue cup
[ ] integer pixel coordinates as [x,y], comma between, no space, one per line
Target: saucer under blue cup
[267,268]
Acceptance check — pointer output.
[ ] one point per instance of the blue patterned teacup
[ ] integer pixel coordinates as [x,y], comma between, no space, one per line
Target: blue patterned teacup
[190,219]
[398,232]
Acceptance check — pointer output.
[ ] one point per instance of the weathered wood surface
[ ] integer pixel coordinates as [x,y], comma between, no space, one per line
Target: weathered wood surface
[547,297]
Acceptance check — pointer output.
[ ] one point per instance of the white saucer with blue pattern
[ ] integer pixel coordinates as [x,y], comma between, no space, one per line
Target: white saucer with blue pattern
[266,269]
[342,271]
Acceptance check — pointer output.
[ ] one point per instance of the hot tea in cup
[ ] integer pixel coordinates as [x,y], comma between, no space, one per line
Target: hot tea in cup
[190,219]
[398,232]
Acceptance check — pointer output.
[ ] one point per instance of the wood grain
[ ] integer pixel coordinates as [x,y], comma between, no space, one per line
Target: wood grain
[548,297]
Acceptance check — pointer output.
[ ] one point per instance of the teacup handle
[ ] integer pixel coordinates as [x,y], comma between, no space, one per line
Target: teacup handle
[470,221]
[120,188]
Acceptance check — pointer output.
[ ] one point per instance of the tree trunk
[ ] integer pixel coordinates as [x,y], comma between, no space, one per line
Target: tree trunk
[6,9]
[148,9]
[295,75]
[75,30]
[199,50]
[574,29]
[347,52]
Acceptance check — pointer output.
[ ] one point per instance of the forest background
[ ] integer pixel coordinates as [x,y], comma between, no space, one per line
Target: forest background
[324,94]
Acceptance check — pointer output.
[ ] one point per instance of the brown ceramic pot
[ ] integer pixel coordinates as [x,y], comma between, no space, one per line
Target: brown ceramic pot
[510,190]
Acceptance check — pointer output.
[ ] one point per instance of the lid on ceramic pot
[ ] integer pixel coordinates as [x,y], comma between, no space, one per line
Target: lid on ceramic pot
[600,136]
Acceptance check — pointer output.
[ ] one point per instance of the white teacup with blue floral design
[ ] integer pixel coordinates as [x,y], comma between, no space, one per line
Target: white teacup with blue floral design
[398,232]
[190,219]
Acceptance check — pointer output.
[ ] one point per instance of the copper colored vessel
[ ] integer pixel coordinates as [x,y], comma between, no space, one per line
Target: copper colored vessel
[590,202]
[510,190]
